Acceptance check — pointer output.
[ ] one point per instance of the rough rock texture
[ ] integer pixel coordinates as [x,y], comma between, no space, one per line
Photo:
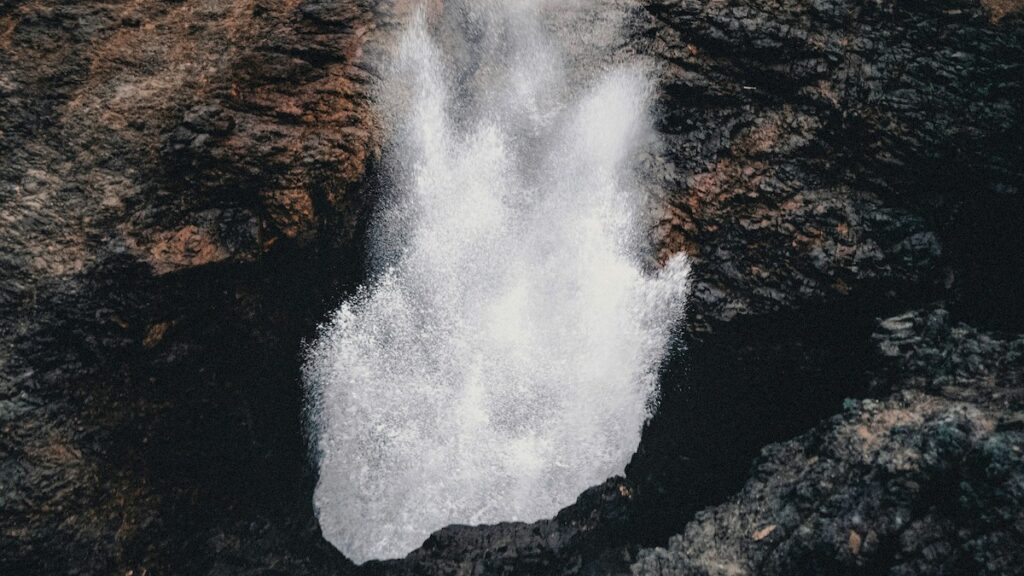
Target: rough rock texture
[827,163]
[182,191]
[181,183]
[927,481]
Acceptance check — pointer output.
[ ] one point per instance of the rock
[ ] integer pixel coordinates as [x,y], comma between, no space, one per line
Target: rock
[172,164]
[763,533]
[156,333]
[183,195]
[855,543]
[928,350]
[923,482]
[818,182]
[574,541]
[838,148]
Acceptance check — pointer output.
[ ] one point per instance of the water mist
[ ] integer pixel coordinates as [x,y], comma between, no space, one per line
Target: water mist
[503,356]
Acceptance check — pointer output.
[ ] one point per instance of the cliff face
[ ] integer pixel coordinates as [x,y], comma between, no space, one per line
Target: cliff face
[823,148]
[182,191]
[842,162]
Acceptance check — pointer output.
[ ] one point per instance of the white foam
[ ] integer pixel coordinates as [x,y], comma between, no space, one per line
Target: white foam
[504,356]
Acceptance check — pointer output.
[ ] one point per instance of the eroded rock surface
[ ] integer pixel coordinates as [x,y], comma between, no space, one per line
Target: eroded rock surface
[827,163]
[927,481]
[820,149]
[180,190]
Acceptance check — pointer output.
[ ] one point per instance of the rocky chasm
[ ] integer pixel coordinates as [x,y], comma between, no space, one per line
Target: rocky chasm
[185,189]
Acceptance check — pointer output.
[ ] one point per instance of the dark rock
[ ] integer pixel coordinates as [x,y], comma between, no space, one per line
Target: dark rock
[575,541]
[927,481]
[183,190]
[829,147]
[826,163]
[181,197]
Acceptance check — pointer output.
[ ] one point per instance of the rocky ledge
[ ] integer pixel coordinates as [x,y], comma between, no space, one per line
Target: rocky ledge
[927,480]
[182,193]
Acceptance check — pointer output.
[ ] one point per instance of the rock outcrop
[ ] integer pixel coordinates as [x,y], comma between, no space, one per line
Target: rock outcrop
[825,164]
[828,163]
[927,481]
[182,195]
[821,149]
[182,188]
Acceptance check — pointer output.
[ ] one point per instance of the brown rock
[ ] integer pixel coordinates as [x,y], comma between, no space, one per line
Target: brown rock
[854,542]
[764,532]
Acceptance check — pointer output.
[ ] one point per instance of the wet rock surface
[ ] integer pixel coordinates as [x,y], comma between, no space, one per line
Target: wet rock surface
[182,191]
